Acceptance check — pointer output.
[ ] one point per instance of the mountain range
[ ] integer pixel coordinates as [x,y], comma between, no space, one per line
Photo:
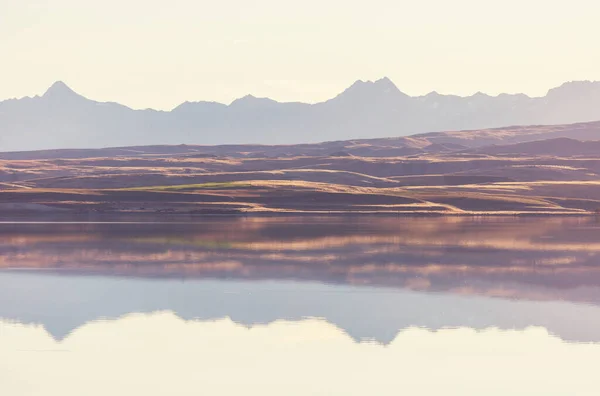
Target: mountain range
[61,118]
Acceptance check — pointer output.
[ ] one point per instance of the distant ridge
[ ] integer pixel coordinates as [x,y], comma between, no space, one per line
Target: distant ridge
[581,139]
[61,118]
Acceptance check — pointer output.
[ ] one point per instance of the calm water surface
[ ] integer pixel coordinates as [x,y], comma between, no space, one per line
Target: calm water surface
[301,306]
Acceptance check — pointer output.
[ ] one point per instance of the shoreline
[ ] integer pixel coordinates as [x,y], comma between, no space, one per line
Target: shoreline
[60,216]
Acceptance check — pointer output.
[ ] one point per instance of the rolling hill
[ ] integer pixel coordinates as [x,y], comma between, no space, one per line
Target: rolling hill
[479,172]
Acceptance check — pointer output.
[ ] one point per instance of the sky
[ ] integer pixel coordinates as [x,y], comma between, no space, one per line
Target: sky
[158,54]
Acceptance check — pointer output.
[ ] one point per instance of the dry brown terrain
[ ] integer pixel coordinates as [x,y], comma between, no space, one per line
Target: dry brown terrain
[517,170]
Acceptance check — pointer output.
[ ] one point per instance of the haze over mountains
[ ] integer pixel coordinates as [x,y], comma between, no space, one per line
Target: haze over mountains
[61,118]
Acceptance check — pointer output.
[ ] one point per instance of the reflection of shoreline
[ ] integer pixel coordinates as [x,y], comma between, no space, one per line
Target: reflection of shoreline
[542,259]
[64,303]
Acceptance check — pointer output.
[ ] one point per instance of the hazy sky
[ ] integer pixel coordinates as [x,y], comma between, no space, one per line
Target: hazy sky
[157,53]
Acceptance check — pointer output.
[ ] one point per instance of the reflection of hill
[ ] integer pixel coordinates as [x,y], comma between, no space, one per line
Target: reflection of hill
[539,259]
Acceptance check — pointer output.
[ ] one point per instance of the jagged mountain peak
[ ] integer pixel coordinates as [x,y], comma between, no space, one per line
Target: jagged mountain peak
[59,87]
[370,89]
[191,106]
[382,83]
[251,100]
[575,88]
[60,90]
[386,83]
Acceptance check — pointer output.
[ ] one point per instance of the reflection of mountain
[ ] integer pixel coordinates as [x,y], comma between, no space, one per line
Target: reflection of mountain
[63,303]
[538,268]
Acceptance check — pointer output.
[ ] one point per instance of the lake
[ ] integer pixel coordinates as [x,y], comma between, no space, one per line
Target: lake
[301,306]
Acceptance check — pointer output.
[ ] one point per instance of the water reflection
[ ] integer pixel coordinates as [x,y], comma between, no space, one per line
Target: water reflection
[160,354]
[542,258]
[301,306]
[64,303]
